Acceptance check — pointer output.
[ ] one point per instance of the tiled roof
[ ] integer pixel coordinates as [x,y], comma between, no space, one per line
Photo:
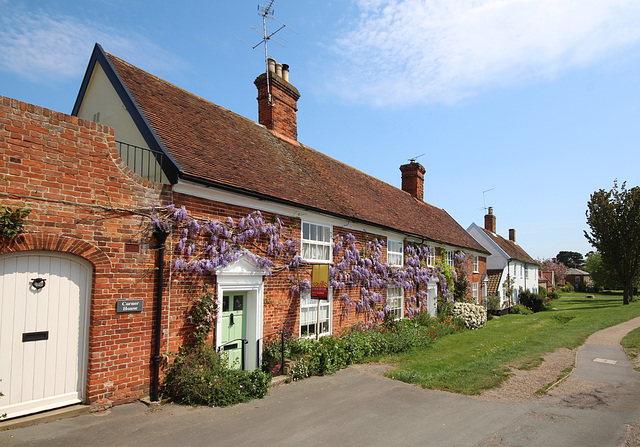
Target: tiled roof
[213,145]
[494,280]
[513,250]
[574,271]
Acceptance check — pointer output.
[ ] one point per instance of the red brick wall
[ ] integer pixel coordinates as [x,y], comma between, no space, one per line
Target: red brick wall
[477,277]
[84,201]
[68,172]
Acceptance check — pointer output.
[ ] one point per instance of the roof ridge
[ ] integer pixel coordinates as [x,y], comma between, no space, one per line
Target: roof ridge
[215,145]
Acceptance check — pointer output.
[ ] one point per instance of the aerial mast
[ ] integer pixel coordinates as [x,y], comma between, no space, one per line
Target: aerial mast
[266,11]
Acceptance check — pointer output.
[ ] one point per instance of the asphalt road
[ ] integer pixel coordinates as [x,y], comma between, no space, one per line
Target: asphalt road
[360,407]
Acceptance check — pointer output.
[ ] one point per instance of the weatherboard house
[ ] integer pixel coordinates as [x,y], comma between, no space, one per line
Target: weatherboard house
[90,299]
[510,269]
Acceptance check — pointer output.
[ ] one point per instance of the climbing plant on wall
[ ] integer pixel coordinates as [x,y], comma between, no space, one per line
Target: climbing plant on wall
[12,220]
[360,275]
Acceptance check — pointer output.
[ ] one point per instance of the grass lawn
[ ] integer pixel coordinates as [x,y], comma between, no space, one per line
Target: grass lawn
[631,344]
[470,361]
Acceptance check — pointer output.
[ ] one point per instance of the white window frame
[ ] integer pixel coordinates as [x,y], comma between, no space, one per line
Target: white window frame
[309,308]
[474,291]
[393,255]
[476,264]
[526,273]
[395,297]
[312,248]
[431,257]
[451,258]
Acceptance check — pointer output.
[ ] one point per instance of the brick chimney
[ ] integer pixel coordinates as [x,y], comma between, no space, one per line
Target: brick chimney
[413,179]
[490,221]
[512,234]
[277,100]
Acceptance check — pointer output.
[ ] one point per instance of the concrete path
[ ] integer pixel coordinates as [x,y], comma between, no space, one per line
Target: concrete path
[358,406]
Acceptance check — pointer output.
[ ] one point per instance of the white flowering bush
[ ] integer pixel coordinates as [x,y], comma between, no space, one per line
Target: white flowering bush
[474,315]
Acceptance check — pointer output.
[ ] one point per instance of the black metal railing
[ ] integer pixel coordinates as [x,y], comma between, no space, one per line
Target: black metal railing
[144,162]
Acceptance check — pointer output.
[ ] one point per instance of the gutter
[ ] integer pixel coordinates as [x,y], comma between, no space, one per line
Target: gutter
[265,197]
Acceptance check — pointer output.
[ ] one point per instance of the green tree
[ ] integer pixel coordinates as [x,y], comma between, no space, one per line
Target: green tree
[600,276]
[570,259]
[614,220]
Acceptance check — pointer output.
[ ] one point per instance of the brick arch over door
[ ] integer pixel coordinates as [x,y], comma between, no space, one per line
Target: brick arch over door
[59,243]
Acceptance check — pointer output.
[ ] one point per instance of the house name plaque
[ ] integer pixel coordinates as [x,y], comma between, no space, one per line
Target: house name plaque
[128,306]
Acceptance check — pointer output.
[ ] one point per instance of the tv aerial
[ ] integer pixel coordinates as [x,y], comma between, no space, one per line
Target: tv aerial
[484,203]
[266,11]
[413,159]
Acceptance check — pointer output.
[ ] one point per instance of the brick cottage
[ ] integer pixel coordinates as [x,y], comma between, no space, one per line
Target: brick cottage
[90,305]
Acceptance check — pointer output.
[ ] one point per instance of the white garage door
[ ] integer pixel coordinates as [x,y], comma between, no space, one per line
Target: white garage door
[44,310]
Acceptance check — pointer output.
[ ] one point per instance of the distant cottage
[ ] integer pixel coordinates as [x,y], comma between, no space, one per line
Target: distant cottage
[109,306]
[510,269]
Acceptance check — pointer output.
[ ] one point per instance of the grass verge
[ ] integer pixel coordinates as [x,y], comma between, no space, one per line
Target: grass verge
[471,361]
[631,344]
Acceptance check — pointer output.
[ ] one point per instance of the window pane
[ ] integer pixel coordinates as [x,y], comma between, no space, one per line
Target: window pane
[238,302]
[305,231]
[312,233]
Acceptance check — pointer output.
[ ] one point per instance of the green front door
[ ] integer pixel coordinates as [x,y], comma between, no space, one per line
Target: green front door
[233,327]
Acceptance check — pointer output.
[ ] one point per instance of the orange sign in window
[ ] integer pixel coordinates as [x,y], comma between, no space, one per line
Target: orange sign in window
[320,282]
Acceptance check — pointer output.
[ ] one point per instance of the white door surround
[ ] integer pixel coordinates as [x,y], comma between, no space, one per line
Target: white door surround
[244,275]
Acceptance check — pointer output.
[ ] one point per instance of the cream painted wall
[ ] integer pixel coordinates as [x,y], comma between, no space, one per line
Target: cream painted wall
[102,104]
[102,98]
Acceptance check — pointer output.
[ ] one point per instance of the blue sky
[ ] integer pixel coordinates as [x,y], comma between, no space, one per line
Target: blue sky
[537,101]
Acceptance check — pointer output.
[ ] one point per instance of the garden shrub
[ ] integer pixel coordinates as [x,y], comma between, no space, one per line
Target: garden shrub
[568,287]
[543,293]
[358,344]
[473,315]
[445,309]
[200,376]
[532,301]
[520,309]
[553,295]
[300,370]
[493,304]
[424,319]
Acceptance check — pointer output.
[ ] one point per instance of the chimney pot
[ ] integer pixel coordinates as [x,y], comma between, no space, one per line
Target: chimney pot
[512,234]
[278,69]
[413,179]
[285,72]
[271,64]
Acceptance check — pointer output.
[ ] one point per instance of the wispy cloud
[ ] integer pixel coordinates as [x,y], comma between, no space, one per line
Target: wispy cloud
[420,51]
[43,46]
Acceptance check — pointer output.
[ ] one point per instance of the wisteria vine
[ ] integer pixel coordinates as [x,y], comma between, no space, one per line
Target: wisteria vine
[203,246]
[207,245]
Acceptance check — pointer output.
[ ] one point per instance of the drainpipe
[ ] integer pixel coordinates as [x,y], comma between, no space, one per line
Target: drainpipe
[161,236]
